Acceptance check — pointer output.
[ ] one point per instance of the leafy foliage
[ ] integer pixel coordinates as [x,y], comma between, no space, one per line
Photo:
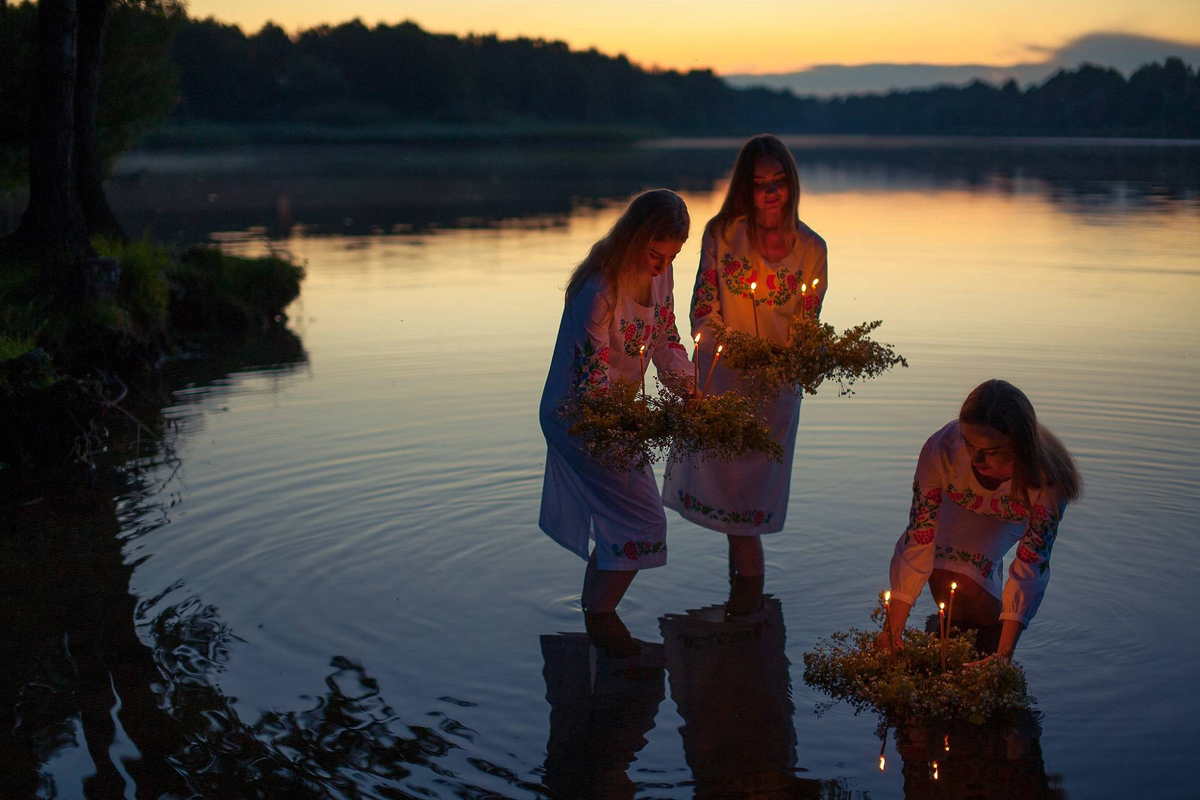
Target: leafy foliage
[817,352]
[908,684]
[623,431]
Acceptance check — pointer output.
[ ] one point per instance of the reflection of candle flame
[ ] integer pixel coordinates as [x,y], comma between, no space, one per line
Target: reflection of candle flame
[935,771]
[882,761]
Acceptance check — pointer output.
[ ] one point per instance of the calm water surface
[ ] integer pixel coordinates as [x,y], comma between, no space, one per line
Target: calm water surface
[332,583]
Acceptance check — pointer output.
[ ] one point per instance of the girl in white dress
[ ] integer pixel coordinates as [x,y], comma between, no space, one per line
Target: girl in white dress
[988,481]
[756,238]
[618,300]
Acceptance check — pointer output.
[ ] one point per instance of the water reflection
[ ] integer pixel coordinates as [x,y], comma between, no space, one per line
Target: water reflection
[997,760]
[729,678]
[374,189]
[603,701]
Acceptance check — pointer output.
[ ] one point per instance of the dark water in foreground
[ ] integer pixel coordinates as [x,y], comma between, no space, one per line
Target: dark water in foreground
[326,580]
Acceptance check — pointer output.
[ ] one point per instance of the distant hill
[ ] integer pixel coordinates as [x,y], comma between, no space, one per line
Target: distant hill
[1122,52]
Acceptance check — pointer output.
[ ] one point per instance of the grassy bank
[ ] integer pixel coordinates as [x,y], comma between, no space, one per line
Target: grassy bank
[73,348]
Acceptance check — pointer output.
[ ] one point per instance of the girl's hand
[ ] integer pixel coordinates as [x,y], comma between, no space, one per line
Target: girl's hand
[986,659]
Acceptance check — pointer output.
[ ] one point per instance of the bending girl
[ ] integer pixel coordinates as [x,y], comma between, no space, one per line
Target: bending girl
[990,480]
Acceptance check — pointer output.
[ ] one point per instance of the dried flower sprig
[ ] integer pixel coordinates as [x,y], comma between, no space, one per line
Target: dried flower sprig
[909,684]
[816,352]
[624,431]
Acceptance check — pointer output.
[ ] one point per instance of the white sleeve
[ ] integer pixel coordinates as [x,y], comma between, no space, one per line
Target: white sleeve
[912,561]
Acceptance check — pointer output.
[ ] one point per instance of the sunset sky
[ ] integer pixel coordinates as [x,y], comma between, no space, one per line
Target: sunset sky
[758,36]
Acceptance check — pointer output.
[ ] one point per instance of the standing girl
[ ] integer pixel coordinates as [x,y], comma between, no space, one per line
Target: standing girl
[618,301]
[1007,481]
[760,267]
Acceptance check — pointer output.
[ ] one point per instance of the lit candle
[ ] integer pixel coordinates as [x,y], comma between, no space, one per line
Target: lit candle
[754,305]
[717,355]
[804,301]
[815,298]
[642,364]
[950,609]
[887,618]
[942,625]
[696,363]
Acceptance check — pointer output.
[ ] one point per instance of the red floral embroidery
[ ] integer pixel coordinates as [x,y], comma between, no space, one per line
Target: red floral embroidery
[934,494]
[702,311]
[710,277]
[771,282]
[923,535]
[1026,555]
[791,282]
[631,551]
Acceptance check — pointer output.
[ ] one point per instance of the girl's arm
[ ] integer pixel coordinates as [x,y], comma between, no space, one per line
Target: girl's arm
[818,279]
[591,346]
[706,298]
[1029,573]
[912,561]
[670,357]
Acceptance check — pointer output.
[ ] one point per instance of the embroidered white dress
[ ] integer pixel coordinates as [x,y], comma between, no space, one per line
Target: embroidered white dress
[747,496]
[958,525]
[599,342]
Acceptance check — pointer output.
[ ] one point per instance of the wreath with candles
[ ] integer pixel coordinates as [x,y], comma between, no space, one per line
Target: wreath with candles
[908,683]
[816,352]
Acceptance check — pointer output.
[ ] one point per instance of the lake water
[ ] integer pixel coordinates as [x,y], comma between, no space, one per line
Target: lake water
[328,580]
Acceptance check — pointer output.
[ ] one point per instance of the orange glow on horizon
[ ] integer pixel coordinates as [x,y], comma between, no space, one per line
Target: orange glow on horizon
[708,36]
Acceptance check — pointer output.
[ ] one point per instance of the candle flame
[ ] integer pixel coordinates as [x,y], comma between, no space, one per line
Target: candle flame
[953,586]
[753,286]
[643,349]
[815,282]
[887,596]
[882,761]
[803,288]
[941,606]
[720,347]
[697,338]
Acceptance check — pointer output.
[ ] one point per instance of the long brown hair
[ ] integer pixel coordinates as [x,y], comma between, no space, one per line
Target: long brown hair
[1040,459]
[739,197]
[651,216]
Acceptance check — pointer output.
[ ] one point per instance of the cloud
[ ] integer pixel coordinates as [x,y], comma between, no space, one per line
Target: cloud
[1122,51]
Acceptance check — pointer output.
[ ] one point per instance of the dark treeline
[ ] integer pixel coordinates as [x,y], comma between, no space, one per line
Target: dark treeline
[352,74]
[355,75]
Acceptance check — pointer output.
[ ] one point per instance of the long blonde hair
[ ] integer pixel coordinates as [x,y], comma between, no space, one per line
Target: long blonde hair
[739,197]
[1040,459]
[651,216]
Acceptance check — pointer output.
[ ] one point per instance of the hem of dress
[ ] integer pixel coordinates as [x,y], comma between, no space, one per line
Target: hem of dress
[622,564]
[727,528]
[562,544]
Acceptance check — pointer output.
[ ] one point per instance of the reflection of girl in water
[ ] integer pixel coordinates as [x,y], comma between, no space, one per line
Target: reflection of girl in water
[989,480]
[756,238]
[619,304]
[729,679]
[601,708]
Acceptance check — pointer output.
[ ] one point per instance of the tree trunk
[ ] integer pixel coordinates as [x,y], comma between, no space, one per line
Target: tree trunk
[89,178]
[52,228]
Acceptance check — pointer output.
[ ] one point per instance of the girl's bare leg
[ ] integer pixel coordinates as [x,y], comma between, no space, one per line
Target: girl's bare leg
[746,556]
[604,588]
